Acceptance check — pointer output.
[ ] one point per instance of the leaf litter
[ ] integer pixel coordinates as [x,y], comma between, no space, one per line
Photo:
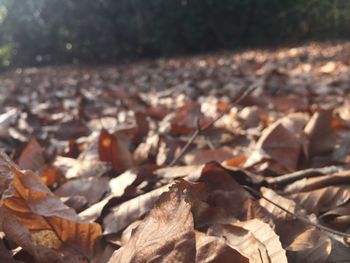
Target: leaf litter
[226,157]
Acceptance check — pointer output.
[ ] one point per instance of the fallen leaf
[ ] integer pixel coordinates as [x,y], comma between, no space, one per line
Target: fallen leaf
[165,234]
[321,135]
[32,157]
[112,148]
[279,144]
[211,249]
[92,188]
[75,168]
[254,239]
[131,210]
[310,246]
[323,199]
[38,210]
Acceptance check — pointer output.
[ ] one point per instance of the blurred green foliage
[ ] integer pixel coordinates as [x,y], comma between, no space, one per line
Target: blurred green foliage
[39,32]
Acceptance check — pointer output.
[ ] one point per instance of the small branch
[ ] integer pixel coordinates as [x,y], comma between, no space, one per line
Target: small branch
[299,217]
[200,129]
[307,173]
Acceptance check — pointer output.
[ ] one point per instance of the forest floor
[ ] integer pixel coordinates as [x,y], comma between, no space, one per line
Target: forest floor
[118,175]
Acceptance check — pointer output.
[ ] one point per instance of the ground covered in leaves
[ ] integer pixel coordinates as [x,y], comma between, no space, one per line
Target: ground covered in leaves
[90,168]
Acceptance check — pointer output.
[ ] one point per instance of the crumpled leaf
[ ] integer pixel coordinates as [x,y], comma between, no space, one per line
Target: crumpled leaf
[211,249]
[166,234]
[17,232]
[301,239]
[38,210]
[253,239]
[311,246]
[323,199]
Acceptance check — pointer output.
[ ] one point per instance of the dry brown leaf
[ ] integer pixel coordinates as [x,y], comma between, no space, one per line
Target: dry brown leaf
[112,148]
[131,210]
[93,212]
[166,234]
[304,242]
[310,246]
[253,239]
[279,144]
[338,217]
[323,199]
[286,226]
[223,188]
[92,188]
[266,235]
[18,233]
[211,249]
[33,205]
[321,135]
[73,168]
[104,251]
[32,157]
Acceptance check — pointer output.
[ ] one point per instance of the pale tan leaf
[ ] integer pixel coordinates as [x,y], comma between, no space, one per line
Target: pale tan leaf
[131,210]
[305,243]
[242,241]
[92,188]
[321,135]
[211,249]
[266,235]
[323,199]
[166,234]
[311,246]
[279,144]
[74,168]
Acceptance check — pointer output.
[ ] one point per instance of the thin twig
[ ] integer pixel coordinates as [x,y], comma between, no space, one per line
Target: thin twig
[307,173]
[299,217]
[200,129]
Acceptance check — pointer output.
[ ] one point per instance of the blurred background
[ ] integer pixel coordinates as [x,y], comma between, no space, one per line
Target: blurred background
[42,32]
